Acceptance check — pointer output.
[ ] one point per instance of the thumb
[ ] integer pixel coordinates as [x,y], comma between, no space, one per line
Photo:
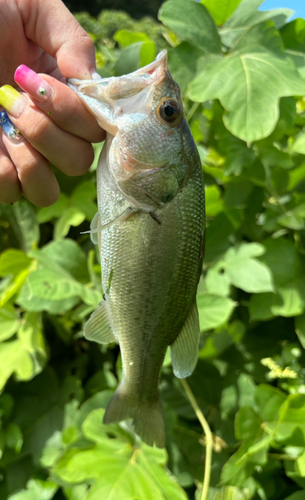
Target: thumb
[53,28]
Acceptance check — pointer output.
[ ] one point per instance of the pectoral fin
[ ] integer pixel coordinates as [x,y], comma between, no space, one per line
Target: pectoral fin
[184,351]
[95,228]
[98,327]
[94,224]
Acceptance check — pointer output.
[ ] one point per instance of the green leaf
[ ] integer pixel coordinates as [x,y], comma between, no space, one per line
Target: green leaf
[16,284]
[290,428]
[293,35]
[43,408]
[183,62]
[299,144]
[300,465]
[287,270]
[14,438]
[147,53]
[25,356]
[268,401]
[229,493]
[249,87]
[214,203]
[217,283]
[39,303]
[129,59]
[298,495]
[261,306]
[192,23]
[296,176]
[300,329]
[66,254]
[293,219]
[13,261]
[247,423]
[213,310]
[220,10]
[218,233]
[239,268]
[127,37]
[260,37]
[49,285]
[241,465]
[131,472]
[238,157]
[36,490]
[46,214]
[246,15]
[9,322]
[72,216]
[83,198]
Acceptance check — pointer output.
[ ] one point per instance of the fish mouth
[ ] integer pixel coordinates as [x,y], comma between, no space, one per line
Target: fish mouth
[109,98]
[122,87]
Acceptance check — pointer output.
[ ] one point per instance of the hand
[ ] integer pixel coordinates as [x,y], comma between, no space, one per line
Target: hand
[53,122]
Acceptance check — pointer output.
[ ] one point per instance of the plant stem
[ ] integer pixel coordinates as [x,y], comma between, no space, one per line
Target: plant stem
[208,438]
[192,111]
[281,456]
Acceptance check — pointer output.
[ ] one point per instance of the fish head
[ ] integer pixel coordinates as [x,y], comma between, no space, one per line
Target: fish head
[144,111]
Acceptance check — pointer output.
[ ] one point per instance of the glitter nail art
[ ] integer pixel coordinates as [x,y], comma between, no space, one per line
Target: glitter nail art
[9,128]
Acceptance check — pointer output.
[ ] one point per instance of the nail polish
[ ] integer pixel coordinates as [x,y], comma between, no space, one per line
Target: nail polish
[11,100]
[9,128]
[32,83]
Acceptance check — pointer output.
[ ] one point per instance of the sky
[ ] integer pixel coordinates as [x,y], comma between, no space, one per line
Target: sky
[297,5]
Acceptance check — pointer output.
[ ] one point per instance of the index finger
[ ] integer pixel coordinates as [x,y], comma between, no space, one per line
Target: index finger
[60,103]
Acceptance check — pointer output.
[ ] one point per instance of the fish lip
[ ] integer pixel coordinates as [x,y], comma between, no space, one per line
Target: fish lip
[148,71]
[160,60]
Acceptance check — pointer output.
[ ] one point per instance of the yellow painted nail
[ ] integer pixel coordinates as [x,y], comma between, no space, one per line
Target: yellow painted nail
[11,100]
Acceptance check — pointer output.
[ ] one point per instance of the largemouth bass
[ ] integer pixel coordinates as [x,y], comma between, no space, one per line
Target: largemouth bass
[150,230]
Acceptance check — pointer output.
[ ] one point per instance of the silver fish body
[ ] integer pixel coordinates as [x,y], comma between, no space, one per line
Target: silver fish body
[150,227]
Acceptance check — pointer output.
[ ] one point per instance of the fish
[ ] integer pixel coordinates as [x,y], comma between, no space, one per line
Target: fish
[150,228]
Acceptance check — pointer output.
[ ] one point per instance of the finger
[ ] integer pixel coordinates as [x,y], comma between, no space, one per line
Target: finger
[30,173]
[9,183]
[71,154]
[53,27]
[60,103]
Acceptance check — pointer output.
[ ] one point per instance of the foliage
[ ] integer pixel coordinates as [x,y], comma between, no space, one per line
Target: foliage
[136,8]
[242,73]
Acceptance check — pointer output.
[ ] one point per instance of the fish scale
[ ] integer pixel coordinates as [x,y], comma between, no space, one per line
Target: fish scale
[151,227]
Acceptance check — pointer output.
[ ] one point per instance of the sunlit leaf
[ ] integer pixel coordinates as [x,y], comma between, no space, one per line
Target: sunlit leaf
[192,23]
[220,11]
[249,87]
[213,310]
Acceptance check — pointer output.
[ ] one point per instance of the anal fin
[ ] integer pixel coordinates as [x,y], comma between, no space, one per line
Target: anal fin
[98,327]
[184,351]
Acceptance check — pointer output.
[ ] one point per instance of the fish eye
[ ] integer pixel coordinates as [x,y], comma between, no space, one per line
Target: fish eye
[170,111]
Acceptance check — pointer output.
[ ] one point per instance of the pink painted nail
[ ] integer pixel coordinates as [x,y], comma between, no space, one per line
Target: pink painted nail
[32,83]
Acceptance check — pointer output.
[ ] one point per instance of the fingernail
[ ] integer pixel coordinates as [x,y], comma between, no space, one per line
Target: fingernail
[9,128]
[11,100]
[32,83]
[95,75]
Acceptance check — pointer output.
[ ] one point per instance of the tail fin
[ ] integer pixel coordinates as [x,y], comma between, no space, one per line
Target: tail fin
[147,418]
